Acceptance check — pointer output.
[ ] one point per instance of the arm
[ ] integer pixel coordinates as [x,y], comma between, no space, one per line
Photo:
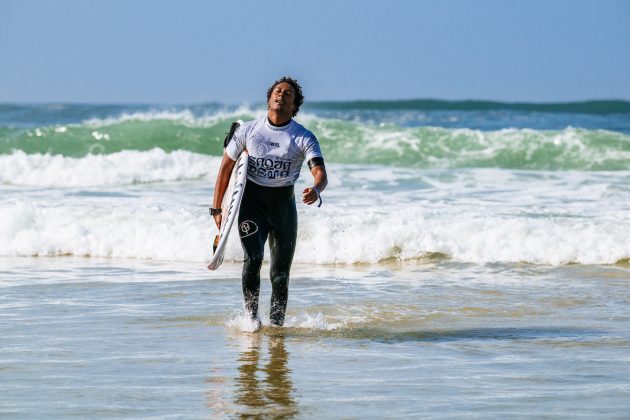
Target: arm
[225,171]
[309,195]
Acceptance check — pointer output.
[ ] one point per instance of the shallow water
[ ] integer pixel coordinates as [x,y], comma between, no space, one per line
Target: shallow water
[113,338]
[466,262]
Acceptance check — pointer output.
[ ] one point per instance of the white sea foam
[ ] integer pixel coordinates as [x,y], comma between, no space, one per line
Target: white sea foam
[241,322]
[331,235]
[373,236]
[370,213]
[185,117]
[150,231]
[126,167]
[316,321]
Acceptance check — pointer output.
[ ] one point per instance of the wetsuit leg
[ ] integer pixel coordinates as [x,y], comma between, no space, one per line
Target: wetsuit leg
[282,239]
[267,212]
[253,230]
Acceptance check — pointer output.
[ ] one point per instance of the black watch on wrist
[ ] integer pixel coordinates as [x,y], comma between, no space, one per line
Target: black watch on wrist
[214,212]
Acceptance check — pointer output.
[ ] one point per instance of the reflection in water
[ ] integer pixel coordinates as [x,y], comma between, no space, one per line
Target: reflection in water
[265,390]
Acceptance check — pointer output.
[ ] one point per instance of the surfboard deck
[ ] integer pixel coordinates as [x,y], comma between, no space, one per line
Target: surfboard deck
[232,202]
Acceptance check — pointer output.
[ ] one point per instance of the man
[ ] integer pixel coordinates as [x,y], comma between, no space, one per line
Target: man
[277,147]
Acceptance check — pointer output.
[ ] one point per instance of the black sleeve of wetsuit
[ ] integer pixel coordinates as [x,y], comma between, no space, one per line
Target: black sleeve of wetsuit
[229,135]
[316,161]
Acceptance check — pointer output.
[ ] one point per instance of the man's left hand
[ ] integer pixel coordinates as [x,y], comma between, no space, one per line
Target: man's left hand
[309,196]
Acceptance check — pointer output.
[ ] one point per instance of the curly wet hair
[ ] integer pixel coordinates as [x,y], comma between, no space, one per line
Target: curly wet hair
[299,97]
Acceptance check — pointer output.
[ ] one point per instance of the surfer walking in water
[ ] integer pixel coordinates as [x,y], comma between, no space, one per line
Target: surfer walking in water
[277,147]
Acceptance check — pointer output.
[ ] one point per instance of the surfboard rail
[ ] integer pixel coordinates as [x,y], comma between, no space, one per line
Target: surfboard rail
[232,202]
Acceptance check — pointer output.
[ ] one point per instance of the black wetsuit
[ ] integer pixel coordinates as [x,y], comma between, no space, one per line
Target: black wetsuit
[267,212]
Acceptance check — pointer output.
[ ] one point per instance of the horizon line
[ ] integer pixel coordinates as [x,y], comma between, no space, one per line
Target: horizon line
[591,106]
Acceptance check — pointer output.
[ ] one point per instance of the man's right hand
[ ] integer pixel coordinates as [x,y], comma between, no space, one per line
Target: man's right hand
[217,220]
[223,178]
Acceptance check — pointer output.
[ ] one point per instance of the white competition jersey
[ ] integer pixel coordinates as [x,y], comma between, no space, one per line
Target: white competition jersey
[276,154]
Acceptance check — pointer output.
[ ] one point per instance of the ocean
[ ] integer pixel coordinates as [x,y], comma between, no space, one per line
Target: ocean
[470,259]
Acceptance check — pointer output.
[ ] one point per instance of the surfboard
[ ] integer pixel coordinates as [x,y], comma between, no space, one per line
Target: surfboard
[230,205]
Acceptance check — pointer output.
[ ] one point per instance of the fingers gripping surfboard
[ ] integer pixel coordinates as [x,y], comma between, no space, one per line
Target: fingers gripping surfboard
[232,203]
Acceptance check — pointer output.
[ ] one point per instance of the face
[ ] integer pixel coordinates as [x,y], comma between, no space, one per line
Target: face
[282,98]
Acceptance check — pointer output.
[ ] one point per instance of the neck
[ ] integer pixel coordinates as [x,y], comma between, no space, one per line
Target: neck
[278,118]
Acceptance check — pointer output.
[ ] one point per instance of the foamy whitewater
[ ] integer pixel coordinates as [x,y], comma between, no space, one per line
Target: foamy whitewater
[470,260]
[137,184]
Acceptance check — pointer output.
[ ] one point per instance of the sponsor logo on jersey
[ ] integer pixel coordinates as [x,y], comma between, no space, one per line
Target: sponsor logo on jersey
[268,167]
[261,150]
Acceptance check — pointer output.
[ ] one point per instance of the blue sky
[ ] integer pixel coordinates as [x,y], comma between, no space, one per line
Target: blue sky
[191,51]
